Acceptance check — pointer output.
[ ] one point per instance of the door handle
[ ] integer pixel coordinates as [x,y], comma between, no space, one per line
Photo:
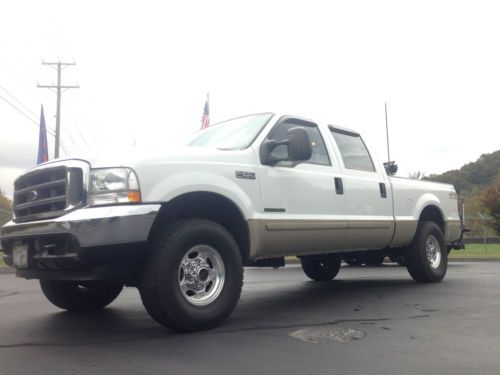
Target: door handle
[383,190]
[339,186]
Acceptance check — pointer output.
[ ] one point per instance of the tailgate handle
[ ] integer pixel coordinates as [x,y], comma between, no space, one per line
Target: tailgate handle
[383,190]
[339,186]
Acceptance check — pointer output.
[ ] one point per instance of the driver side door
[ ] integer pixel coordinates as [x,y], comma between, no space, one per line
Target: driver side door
[301,209]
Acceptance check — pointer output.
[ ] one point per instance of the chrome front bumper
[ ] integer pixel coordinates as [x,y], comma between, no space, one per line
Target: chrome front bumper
[92,226]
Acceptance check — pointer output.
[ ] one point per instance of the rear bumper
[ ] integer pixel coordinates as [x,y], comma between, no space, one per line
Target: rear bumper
[82,239]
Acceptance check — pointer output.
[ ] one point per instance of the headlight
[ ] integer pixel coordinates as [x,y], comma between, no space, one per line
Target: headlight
[113,185]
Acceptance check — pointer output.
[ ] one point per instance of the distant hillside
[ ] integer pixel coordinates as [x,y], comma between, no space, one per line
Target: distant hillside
[479,183]
[474,176]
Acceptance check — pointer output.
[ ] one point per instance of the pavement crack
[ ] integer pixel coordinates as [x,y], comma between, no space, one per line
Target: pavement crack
[299,325]
[2,295]
[419,316]
[83,343]
[168,335]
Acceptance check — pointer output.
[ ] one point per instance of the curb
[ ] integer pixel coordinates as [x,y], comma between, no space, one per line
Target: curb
[6,270]
[474,259]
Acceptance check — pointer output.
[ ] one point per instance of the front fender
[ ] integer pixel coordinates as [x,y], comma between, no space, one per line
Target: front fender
[181,183]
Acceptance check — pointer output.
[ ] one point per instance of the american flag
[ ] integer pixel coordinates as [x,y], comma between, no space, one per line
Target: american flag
[205,119]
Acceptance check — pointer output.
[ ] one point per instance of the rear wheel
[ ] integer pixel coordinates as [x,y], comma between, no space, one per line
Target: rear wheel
[193,279]
[81,295]
[320,270]
[427,256]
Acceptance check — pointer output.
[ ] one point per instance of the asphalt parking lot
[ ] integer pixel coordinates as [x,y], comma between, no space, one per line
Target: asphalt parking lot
[368,321]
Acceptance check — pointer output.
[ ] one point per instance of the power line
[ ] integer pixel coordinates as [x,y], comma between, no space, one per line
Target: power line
[20,80]
[59,87]
[77,127]
[64,149]
[25,115]
[20,111]
[17,100]
[90,127]
[51,132]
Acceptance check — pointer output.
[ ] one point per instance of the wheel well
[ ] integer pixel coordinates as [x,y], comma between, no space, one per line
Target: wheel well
[433,213]
[209,206]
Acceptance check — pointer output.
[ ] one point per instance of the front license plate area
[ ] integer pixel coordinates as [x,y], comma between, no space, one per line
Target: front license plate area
[20,255]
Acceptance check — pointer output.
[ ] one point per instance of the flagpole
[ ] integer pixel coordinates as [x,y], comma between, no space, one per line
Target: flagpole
[208,101]
[205,118]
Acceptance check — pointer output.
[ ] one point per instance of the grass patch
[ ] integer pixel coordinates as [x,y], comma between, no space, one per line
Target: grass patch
[2,264]
[477,251]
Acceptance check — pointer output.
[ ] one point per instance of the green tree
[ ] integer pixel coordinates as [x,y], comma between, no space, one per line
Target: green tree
[474,176]
[474,208]
[5,203]
[490,199]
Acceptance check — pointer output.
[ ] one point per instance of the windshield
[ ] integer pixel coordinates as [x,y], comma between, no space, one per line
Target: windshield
[238,133]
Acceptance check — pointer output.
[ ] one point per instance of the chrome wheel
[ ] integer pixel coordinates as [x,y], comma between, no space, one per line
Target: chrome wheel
[433,251]
[201,275]
[426,258]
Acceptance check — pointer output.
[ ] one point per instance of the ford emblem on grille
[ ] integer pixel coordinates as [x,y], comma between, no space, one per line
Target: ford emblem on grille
[32,195]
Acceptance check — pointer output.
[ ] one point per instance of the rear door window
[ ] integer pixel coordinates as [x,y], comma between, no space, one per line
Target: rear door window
[353,150]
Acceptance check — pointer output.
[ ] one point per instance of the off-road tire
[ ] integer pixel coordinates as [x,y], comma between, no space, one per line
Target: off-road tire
[320,270]
[81,296]
[160,288]
[418,262]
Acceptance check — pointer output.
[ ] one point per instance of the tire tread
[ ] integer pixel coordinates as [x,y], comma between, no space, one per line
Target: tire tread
[151,288]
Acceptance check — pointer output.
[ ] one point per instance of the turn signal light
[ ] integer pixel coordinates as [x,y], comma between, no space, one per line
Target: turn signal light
[134,196]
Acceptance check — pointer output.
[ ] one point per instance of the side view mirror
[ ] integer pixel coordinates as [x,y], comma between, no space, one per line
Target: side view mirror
[391,167]
[298,146]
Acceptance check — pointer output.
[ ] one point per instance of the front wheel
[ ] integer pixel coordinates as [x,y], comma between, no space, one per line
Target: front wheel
[427,256]
[192,281]
[81,296]
[320,270]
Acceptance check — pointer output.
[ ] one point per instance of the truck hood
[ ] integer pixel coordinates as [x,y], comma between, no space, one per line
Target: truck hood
[176,155]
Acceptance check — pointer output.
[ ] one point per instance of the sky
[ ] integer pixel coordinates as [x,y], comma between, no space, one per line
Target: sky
[144,69]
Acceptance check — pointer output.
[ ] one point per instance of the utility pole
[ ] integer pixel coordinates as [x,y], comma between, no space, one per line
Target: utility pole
[60,65]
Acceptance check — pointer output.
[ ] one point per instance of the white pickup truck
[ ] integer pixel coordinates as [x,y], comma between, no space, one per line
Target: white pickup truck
[181,225]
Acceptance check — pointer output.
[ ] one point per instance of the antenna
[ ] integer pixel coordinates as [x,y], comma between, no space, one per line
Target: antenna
[390,167]
[387,133]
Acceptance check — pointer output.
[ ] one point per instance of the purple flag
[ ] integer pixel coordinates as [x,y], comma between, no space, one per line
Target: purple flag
[43,150]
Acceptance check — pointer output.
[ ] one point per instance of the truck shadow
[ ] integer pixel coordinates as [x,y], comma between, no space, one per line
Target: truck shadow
[263,306]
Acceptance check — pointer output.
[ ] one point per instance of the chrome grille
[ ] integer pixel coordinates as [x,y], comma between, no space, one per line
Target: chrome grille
[47,193]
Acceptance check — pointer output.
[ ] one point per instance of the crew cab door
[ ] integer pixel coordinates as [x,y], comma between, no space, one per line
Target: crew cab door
[301,210]
[367,192]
